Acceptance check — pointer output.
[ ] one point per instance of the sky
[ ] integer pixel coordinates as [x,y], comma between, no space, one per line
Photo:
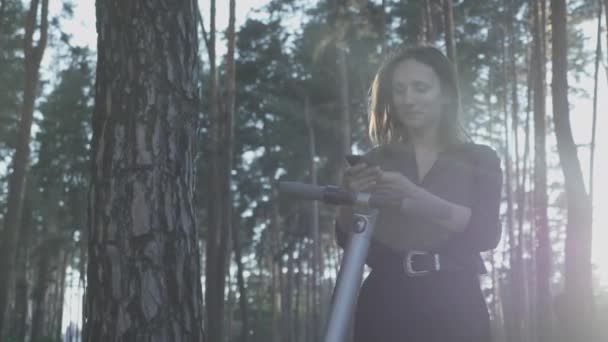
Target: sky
[82,29]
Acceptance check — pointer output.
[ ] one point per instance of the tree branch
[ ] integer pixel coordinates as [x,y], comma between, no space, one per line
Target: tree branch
[205,36]
[44,28]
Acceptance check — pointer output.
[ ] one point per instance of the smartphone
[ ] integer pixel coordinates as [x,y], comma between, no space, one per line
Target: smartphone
[354,159]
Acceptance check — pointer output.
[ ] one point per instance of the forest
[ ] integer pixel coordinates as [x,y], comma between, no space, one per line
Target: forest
[139,173]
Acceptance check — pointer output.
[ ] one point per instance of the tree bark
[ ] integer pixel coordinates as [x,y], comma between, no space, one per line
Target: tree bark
[543,253]
[212,299]
[297,318]
[576,304]
[606,15]
[225,195]
[288,299]
[2,13]
[59,295]
[315,235]
[512,320]
[516,273]
[598,54]
[19,322]
[144,268]
[17,180]
[450,42]
[243,306]
[522,200]
[383,27]
[43,275]
[275,262]
[429,30]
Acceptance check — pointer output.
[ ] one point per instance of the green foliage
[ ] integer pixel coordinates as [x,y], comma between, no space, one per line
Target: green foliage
[11,75]
[60,175]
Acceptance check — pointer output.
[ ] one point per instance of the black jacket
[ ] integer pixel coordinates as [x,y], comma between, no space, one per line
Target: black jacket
[467,174]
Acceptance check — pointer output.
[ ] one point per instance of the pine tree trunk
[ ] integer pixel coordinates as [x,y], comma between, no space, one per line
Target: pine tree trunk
[20,315]
[243,306]
[2,13]
[576,305]
[544,327]
[288,299]
[309,325]
[521,209]
[224,197]
[39,293]
[598,56]
[606,15]
[60,295]
[297,317]
[275,263]
[429,30]
[512,314]
[450,42]
[213,300]
[16,184]
[144,268]
[383,27]
[315,229]
[516,274]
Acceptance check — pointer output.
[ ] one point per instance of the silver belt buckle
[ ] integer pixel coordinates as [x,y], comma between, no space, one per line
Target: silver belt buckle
[409,268]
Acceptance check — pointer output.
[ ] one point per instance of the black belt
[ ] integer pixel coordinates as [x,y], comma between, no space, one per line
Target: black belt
[420,263]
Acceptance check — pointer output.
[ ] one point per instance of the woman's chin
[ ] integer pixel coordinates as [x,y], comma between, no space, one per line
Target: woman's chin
[414,122]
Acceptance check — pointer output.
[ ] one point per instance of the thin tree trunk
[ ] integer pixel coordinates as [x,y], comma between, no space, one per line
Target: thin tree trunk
[2,14]
[225,155]
[383,27]
[228,316]
[214,297]
[513,326]
[298,285]
[275,262]
[19,323]
[144,266]
[61,272]
[39,292]
[516,272]
[598,56]
[450,42]
[310,333]
[576,305]
[521,208]
[17,179]
[606,14]
[315,210]
[543,253]
[288,316]
[429,30]
[243,306]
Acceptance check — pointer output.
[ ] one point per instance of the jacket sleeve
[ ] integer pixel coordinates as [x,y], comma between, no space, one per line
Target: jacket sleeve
[484,229]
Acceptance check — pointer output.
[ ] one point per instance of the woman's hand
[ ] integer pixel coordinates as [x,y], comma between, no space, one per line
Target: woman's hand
[361,177]
[358,178]
[396,184]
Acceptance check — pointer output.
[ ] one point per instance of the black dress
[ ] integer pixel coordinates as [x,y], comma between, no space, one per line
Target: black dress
[443,306]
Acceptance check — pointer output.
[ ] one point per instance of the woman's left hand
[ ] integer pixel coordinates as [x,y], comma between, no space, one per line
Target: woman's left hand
[396,184]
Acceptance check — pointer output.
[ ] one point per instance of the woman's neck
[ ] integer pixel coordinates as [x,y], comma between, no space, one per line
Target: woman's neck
[425,139]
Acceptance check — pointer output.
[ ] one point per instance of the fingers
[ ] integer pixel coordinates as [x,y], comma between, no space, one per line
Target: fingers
[361,177]
[363,184]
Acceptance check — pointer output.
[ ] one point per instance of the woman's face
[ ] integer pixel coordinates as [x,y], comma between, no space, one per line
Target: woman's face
[416,96]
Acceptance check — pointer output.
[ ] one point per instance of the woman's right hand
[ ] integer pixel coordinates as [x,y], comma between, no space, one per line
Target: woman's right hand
[361,177]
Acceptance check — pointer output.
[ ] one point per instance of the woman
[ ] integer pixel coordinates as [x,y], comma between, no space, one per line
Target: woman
[425,255]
